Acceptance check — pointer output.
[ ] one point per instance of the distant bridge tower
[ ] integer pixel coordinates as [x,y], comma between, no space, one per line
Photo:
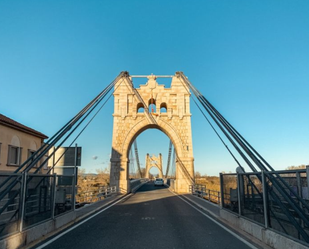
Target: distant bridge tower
[151,106]
[153,161]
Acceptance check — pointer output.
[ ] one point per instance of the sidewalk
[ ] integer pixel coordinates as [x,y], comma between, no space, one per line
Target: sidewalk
[211,208]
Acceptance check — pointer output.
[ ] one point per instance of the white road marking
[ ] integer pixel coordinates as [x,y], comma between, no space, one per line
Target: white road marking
[148,218]
[80,223]
[219,224]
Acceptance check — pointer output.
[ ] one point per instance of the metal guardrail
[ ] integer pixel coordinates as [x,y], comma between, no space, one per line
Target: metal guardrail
[199,190]
[102,192]
[135,183]
[39,198]
[250,195]
[91,196]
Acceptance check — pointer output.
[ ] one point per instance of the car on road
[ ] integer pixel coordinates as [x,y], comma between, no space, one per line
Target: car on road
[159,182]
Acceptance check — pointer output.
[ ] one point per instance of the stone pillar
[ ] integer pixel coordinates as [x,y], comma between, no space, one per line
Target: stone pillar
[114,172]
[184,174]
[160,166]
[124,182]
[147,166]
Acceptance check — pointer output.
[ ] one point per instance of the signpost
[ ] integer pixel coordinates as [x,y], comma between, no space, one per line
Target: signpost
[65,162]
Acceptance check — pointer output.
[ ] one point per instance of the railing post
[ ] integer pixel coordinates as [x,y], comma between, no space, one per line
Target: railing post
[218,197]
[265,200]
[208,194]
[74,178]
[54,196]
[74,188]
[307,176]
[221,191]
[238,193]
[23,200]
[299,192]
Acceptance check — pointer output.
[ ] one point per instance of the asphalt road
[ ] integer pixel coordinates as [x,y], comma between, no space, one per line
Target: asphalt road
[152,218]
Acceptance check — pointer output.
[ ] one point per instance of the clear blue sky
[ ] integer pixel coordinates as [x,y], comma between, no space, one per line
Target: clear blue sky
[250,59]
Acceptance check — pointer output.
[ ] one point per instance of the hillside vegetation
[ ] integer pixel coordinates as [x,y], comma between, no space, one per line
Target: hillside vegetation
[89,185]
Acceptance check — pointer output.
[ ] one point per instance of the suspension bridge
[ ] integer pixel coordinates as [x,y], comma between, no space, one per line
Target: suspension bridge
[136,171]
[263,208]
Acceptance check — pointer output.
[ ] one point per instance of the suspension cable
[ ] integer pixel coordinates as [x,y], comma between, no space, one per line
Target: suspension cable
[44,149]
[255,157]
[169,158]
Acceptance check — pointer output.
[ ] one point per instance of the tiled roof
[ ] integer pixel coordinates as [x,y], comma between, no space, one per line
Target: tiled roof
[18,126]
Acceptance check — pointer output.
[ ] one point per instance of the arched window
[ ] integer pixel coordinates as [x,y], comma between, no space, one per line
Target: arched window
[140,108]
[32,149]
[152,105]
[14,149]
[163,108]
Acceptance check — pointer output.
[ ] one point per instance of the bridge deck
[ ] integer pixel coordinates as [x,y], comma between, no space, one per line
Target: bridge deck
[152,218]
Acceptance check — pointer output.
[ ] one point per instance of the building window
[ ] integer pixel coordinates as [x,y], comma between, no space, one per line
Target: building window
[30,154]
[14,155]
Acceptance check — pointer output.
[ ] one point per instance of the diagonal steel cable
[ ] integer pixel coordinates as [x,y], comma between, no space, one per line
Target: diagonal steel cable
[226,129]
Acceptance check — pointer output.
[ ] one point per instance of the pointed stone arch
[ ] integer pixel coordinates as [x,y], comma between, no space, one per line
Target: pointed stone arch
[129,123]
[154,162]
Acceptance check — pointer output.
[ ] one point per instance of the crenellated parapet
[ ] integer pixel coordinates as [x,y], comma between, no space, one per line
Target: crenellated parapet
[173,101]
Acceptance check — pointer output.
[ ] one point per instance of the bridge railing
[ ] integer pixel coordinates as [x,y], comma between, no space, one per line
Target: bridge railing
[94,195]
[9,220]
[211,195]
[250,195]
[135,183]
[37,198]
[171,183]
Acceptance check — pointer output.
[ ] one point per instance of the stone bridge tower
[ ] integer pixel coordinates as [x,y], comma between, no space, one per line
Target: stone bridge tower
[170,114]
[153,161]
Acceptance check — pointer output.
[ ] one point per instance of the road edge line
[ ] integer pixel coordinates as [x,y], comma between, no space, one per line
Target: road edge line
[216,222]
[81,222]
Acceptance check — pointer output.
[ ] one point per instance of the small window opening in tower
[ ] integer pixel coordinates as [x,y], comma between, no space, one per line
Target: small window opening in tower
[163,108]
[140,108]
[152,106]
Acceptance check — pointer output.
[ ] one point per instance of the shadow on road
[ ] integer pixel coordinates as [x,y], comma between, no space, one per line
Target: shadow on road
[151,187]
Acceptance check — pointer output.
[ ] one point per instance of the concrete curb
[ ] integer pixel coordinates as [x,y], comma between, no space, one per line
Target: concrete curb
[252,231]
[138,187]
[205,209]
